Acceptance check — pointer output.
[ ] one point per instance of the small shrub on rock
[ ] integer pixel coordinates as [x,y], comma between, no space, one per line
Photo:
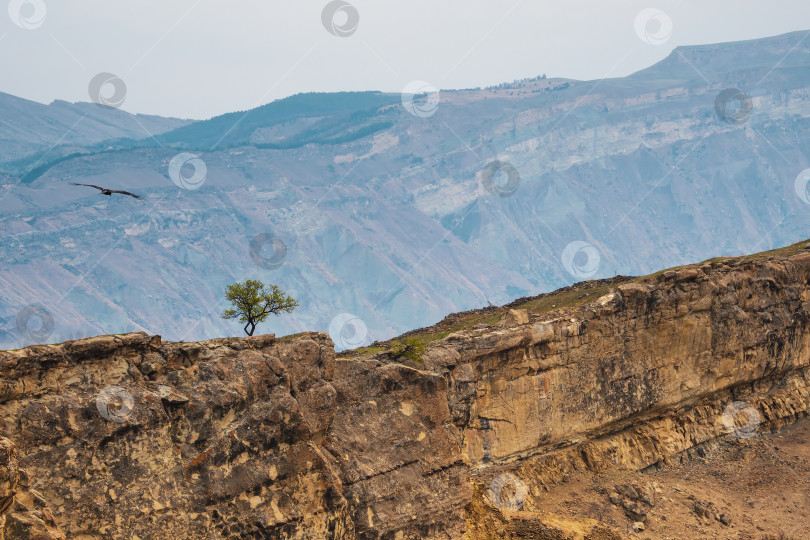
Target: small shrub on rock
[410,348]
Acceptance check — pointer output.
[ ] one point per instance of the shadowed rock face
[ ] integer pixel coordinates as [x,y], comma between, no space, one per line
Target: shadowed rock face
[127,436]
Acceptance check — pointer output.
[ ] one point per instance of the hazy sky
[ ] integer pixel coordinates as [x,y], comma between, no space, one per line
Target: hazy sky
[200,58]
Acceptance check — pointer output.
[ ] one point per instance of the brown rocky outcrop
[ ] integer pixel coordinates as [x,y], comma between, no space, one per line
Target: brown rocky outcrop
[130,437]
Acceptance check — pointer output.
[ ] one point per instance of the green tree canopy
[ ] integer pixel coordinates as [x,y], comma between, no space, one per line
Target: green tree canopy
[253,302]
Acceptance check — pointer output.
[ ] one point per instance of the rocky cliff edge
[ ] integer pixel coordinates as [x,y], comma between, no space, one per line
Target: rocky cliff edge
[128,436]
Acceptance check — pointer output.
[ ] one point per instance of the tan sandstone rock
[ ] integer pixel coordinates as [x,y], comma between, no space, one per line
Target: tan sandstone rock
[129,436]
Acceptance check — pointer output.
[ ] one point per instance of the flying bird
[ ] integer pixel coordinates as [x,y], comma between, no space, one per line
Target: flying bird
[105,191]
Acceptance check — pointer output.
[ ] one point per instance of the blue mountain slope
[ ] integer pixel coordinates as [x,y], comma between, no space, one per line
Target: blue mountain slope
[398,219]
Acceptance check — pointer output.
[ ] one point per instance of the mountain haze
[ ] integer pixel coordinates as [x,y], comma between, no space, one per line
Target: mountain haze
[389,216]
[30,128]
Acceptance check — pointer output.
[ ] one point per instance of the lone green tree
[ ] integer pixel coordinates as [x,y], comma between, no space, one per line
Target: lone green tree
[253,302]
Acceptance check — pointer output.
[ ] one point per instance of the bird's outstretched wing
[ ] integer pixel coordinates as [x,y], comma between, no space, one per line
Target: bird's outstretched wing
[88,185]
[125,193]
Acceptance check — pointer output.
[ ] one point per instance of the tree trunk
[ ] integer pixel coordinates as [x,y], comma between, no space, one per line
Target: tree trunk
[252,326]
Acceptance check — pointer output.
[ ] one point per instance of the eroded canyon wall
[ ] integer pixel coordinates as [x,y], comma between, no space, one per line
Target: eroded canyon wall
[130,437]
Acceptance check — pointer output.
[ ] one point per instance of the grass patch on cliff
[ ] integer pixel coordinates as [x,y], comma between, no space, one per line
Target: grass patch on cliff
[409,348]
[565,299]
[717,262]
[362,351]
[425,336]
[462,324]
[786,251]
[568,297]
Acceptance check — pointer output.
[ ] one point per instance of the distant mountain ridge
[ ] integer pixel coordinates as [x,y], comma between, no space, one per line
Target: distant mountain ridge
[391,220]
[328,115]
[28,127]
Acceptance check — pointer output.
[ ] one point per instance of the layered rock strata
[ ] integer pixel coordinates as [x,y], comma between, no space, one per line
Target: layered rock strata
[130,437]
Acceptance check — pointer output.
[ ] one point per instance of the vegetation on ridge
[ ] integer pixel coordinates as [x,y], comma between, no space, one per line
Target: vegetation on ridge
[253,302]
[568,297]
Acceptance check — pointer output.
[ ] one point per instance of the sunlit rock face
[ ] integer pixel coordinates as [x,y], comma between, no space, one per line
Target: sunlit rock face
[392,220]
[126,435]
[225,438]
